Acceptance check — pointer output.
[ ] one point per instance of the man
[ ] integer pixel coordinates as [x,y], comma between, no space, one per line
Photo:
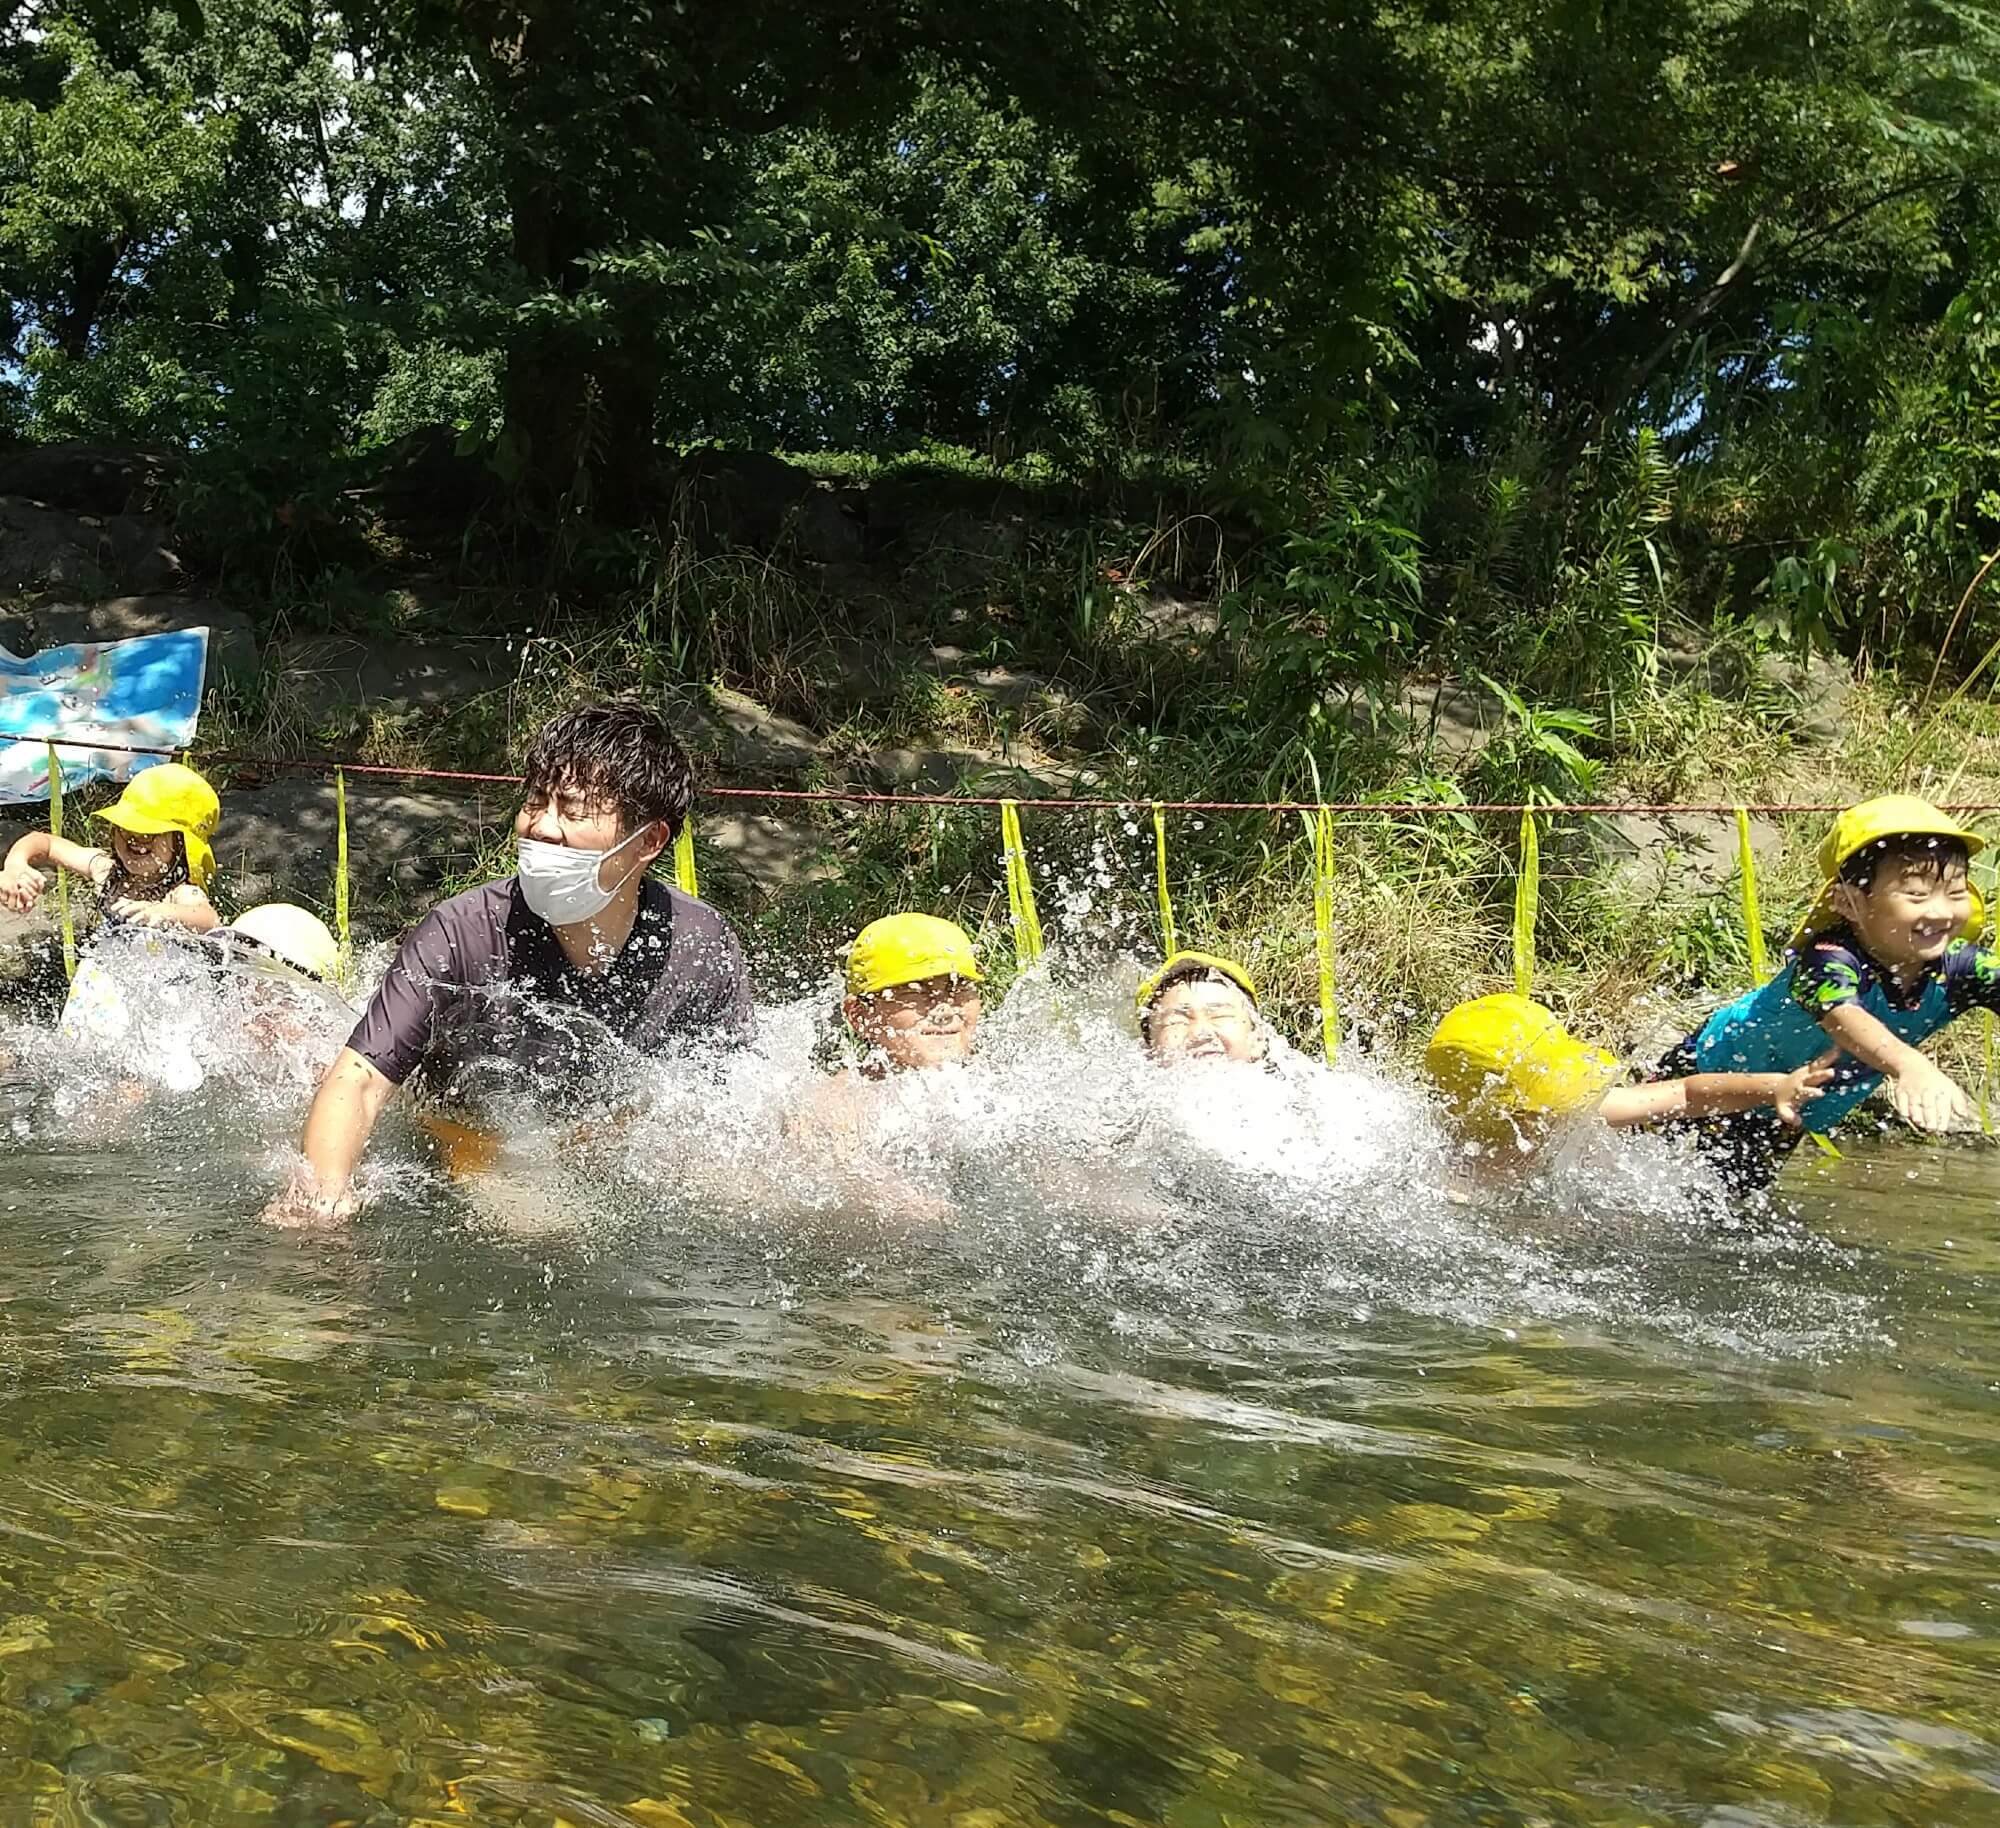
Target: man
[529,973]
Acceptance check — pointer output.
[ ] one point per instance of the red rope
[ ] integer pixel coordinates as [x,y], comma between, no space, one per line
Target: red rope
[846,797]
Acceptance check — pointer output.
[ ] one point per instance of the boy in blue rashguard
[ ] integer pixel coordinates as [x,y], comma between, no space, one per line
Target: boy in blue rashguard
[1884,960]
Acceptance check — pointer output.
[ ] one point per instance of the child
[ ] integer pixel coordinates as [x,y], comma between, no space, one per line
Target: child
[913,1001]
[913,993]
[254,999]
[1881,962]
[1512,1075]
[159,866]
[1199,1006]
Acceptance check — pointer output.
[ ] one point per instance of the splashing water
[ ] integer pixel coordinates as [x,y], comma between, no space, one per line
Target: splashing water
[1055,1440]
[1061,1172]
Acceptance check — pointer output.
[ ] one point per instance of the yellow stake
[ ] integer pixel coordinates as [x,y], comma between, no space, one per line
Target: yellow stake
[685,877]
[1168,937]
[344,957]
[63,919]
[1329,1011]
[1020,886]
[1986,1077]
[1527,901]
[1746,876]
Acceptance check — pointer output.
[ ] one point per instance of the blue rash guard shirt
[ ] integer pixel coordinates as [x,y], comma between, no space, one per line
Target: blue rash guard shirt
[1777,1029]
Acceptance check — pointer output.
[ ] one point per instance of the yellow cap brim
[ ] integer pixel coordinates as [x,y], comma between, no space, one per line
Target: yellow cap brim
[1149,987]
[919,970]
[142,824]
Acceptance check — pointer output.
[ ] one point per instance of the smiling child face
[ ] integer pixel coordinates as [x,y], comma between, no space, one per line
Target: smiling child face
[1912,911]
[146,856]
[933,1022]
[1201,1018]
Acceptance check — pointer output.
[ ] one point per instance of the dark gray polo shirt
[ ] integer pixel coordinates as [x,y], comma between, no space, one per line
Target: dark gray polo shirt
[483,981]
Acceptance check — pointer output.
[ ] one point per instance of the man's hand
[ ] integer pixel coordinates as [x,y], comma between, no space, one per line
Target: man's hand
[302,1207]
[1798,1089]
[1928,1099]
[344,1110]
[21,888]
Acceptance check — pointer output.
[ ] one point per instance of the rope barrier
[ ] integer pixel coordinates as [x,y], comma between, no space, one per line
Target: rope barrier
[1329,1009]
[1746,876]
[343,931]
[854,797]
[1020,887]
[1169,936]
[63,917]
[1527,904]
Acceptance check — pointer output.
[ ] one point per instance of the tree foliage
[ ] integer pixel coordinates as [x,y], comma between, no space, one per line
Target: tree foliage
[1428,280]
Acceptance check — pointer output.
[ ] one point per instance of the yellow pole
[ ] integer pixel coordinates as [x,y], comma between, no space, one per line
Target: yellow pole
[1329,1010]
[1169,939]
[1527,901]
[685,877]
[1020,886]
[63,919]
[342,931]
[1746,876]
[1986,1077]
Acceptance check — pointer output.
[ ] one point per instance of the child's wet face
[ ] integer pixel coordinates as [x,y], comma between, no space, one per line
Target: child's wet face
[931,1023]
[1203,1021]
[1911,912]
[145,856]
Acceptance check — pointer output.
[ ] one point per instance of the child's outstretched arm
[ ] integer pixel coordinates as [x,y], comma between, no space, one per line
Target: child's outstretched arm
[21,881]
[1717,1095]
[1921,1093]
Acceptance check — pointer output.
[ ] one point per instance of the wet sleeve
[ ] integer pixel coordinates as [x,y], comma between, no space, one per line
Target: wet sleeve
[1829,976]
[1971,978]
[396,1029]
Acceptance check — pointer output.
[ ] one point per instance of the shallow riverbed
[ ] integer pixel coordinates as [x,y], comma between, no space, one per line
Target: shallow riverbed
[675,1527]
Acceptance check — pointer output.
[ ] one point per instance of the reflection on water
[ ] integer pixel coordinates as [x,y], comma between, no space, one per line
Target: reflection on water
[1178,1458]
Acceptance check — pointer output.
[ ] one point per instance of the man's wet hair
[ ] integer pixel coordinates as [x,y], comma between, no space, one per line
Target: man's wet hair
[622,754]
[1192,973]
[1934,854]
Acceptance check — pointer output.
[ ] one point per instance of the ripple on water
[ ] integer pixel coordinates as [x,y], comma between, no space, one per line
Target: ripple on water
[1152,1452]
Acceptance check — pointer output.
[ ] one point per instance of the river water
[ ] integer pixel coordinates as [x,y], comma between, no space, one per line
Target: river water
[1322,1500]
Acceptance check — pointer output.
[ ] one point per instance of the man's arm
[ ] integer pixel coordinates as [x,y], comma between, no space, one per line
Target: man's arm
[1921,1093]
[350,1099]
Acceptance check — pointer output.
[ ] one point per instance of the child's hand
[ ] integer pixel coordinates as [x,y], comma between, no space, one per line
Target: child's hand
[1799,1089]
[1928,1099]
[21,888]
[146,913]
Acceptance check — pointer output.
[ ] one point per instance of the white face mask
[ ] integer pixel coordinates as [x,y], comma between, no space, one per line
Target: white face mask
[559,882]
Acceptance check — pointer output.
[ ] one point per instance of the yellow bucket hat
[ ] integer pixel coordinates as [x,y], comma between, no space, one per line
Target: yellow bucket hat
[1150,987]
[1893,815]
[1498,1059]
[907,948]
[170,797]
